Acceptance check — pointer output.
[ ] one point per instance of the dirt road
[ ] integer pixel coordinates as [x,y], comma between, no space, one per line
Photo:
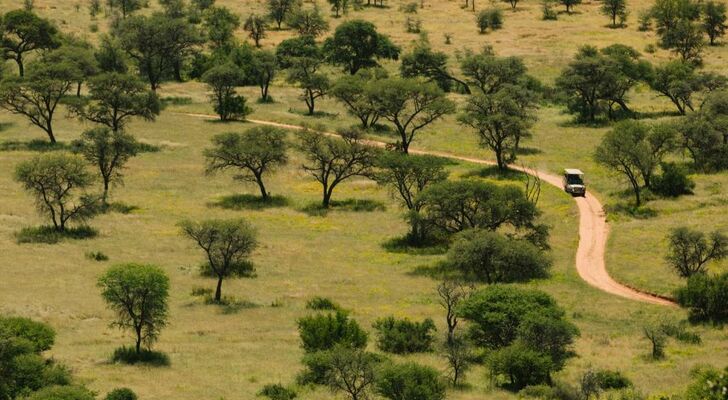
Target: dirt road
[593,228]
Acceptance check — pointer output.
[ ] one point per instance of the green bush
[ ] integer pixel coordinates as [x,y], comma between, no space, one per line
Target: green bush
[276,391]
[608,380]
[410,381]
[316,369]
[709,384]
[520,365]
[673,182]
[322,303]
[97,256]
[404,336]
[121,394]
[40,335]
[706,298]
[491,257]
[323,331]
[61,393]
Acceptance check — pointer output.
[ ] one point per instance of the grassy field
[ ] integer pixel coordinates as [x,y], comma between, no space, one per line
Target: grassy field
[230,356]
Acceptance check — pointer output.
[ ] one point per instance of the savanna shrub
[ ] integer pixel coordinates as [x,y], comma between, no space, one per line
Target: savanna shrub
[402,336]
[673,182]
[410,381]
[323,331]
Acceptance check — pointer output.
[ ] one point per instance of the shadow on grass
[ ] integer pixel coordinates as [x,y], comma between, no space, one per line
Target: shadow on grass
[435,271]
[5,125]
[176,100]
[405,245]
[351,205]
[316,114]
[628,209]
[527,151]
[128,355]
[227,304]
[249,202]
[40,145]
[119,207]
[50,235]
[492,172]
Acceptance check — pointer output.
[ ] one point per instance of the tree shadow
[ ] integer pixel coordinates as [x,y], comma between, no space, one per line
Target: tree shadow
[39,145]
[351,205]
[629,209]
[527,151]
[119,207]
[405,245]
[493,172]
[49,235]
[249,202]
[316,114]
[5,125]
[127,355]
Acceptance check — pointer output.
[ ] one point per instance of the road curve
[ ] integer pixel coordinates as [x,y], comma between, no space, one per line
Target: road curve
[593,228]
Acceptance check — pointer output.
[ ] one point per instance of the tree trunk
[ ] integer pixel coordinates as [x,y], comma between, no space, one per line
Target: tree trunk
[138,346]
[21,68]
[218,290]
[49,131]
[105,195]
[78,89]
[327,197]
[261,186]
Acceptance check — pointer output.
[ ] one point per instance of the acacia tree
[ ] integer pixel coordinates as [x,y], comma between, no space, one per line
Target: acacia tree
[114,99]
[220,24]
[615,9]
[351,371]
[356,44]
[626,150]
[569,4]
[714,20]
[452,293]
[127,7]
[108,151]
[253,153]
[78,55]
[454,206]
[222,81]
[278,10]
[37,95]
[303,57]
[351,90]
[157,44]
[690,251]
[425,62]
[227,245]
[331,161]
[406,177]
[501,119]
[677,81]
[410,105]
[53,180]
[263,68]
[22,32]
[256,27]
[137,294]
[308,21]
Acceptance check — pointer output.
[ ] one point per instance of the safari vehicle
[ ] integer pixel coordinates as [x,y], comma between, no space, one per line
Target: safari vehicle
[574,182]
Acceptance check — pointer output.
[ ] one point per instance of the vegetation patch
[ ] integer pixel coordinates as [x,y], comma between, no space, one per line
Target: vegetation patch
[128,355]
[51,235]
[250,202]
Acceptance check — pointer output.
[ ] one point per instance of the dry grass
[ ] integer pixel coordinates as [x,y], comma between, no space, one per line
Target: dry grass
[338,256]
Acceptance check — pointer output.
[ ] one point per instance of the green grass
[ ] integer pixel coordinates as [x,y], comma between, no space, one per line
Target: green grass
[343,255]
[50,235]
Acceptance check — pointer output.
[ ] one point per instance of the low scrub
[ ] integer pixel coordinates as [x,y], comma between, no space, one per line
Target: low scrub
[402,336]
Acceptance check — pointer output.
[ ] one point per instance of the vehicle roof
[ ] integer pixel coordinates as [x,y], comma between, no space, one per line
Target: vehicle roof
[573,171]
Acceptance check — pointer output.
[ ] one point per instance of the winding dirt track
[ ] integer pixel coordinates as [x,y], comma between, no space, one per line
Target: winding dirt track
[593,228]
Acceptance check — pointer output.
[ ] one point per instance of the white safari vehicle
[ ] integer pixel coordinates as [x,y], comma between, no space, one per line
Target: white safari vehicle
[574,182]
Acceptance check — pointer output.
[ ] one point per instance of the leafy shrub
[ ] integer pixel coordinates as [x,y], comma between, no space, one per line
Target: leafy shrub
[97,256]
[495,18]
[547,11]
[404,336]
[276,391]
[201,292]
[608,380]
[673,182]
[323,331]
[410,381]
[316,368]
[322,303]
[492,257]
[680,333]
[521,365]
[709,384]
[128,355]
[121,394]
[62,393]
[38,334]
[706,297]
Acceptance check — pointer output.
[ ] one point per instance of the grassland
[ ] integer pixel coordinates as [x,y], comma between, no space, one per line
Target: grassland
[231,356]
